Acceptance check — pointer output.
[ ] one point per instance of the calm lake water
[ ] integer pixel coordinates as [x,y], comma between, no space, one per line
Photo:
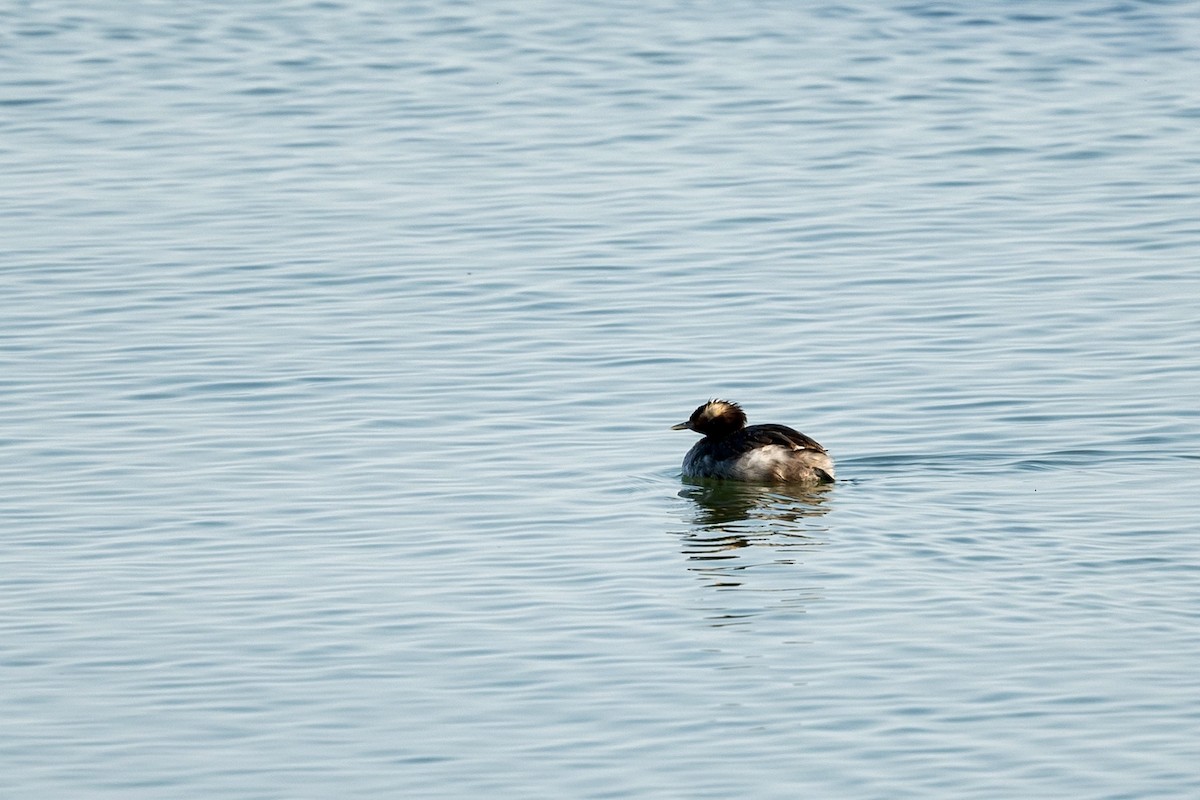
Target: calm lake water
[339,342]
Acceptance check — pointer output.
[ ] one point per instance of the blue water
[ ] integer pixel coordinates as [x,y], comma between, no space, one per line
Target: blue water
[339,343]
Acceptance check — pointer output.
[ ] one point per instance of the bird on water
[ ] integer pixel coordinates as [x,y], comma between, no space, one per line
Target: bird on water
[757,453]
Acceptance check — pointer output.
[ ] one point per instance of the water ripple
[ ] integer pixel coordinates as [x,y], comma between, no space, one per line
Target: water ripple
[339,344]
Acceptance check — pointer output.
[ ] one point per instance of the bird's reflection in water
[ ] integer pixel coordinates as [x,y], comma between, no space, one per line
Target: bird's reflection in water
[735,531]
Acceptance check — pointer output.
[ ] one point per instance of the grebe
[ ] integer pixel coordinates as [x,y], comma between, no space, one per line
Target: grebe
[758,453]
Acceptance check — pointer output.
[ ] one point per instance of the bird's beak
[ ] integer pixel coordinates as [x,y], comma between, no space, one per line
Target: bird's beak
[683,426]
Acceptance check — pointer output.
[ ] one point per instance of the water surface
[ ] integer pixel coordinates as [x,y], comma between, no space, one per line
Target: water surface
[339,343]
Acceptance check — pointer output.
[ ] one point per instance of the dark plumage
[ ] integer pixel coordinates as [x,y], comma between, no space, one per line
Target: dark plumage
[758,453]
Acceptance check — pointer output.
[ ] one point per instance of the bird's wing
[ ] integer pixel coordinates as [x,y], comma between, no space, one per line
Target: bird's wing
[782,435]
